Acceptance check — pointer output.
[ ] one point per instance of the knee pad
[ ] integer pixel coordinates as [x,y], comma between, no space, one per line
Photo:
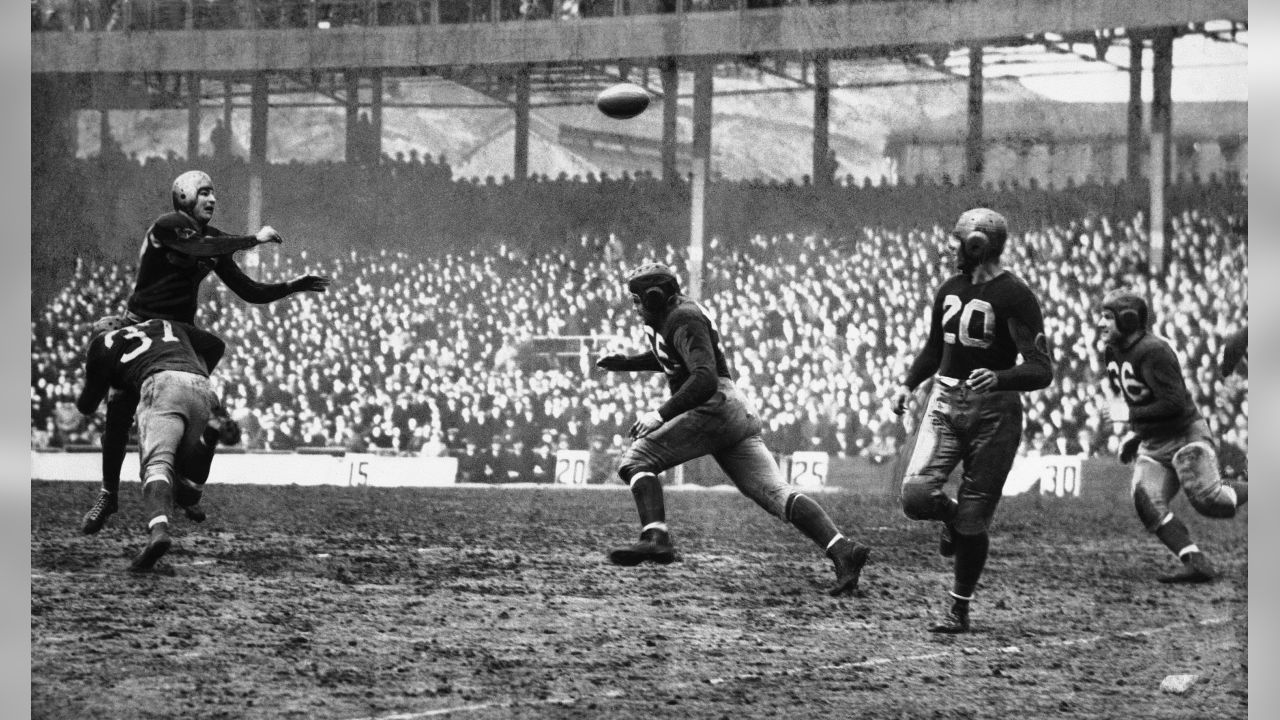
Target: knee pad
[1197,468]
[923,502]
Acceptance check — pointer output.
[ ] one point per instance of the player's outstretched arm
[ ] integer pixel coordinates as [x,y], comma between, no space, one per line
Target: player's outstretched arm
[629,363]
[177,232]
[250,290]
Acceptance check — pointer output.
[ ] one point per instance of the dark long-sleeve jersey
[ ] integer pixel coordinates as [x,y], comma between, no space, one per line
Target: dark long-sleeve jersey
[124,358]
[1147,374]
[985,325]
[686,347]
[176,257]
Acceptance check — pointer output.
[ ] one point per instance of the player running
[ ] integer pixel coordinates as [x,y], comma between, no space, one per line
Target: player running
[181,248]
[156,361]
[1171,447]
[705,415]
[982,319]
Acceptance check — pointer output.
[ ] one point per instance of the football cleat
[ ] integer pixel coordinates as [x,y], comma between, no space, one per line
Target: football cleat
[195,513]
[157,545]
[849,559]
[654,546]
[946,541]
[104,507]
[1195,569]
[955,622]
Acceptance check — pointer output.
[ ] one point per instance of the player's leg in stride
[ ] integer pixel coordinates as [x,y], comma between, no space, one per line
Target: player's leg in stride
[115,439]
[655,538]
[157,489]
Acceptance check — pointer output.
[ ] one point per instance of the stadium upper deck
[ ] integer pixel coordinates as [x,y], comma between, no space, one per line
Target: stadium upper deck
[300,34]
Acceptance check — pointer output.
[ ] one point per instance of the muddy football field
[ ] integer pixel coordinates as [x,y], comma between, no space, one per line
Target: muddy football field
[339,603]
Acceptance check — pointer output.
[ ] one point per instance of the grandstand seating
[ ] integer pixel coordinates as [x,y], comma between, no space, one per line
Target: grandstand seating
[426,341]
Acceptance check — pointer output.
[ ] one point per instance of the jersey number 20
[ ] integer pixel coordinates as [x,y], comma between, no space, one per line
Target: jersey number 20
[951,305]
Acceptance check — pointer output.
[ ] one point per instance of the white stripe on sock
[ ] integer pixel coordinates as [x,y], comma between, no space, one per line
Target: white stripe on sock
[155,477]
[835,540]
[157,520]
[960,597]
[1188,549]
[636,478]
[654,526]
[1165,519]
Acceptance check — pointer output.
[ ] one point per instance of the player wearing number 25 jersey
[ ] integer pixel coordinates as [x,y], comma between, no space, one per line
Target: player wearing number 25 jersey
[1171,447]
[157,361]
[982,319]
[705,415]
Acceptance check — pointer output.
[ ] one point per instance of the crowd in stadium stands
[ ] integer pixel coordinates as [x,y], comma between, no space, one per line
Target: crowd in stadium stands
[430,346]
[408,203]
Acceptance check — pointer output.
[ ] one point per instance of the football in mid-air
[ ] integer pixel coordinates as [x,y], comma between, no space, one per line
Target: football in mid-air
[622,101]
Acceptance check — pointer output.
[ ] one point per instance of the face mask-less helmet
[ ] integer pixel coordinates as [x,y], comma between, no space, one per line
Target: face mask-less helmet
[1129,308]
[982,233]
[186,187]
[653,285]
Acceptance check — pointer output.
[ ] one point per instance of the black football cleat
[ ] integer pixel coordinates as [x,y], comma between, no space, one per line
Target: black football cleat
[946,541]
[157,545]
[849,558]
[654,546]
[1195,569]
[104,507]
[955,622]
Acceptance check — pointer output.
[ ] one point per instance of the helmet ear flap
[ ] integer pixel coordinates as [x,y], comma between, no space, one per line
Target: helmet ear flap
[654,299]
[976,244]
[1127,320]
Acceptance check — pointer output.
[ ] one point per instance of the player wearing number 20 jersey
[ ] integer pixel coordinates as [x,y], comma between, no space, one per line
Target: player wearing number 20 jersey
[157,360]
[705,415]
[982,319]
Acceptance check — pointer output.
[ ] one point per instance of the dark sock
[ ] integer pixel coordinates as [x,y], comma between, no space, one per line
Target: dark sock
[809,518]
[971,558]
[647,491]
[1175,536]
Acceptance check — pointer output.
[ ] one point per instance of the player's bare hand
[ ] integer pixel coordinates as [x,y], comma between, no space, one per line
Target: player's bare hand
[981,380]
[647,423]
[611,362]
[1129,449]
[900,399]
[268,234]
[312,283]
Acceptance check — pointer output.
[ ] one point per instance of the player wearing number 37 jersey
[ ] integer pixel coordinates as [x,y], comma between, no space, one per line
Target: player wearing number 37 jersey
[982,319]
[158,361]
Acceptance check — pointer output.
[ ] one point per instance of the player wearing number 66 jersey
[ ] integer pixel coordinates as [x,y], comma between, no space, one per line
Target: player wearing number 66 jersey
[158,361]
[1171,447]
[982,319]
[705,415]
